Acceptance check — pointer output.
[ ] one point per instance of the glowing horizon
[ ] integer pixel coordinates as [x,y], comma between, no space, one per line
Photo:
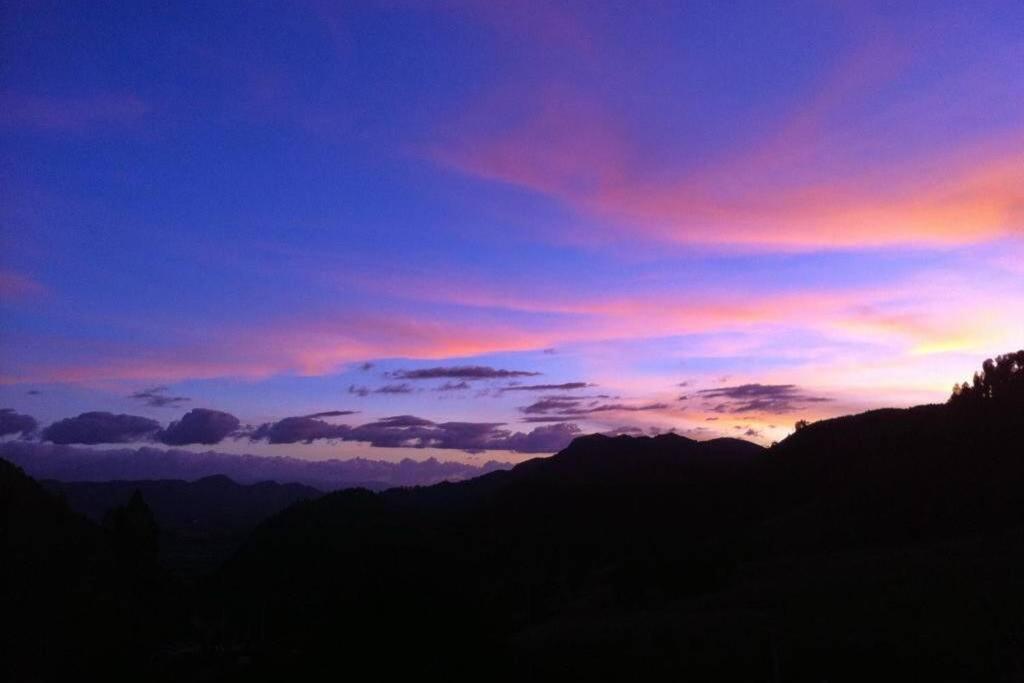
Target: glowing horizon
[778,213]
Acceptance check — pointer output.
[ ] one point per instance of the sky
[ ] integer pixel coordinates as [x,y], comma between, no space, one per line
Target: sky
[473,229]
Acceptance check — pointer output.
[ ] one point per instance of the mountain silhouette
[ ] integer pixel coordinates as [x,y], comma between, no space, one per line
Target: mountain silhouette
[79,598]
[201,522]
[885,545]
[885,541]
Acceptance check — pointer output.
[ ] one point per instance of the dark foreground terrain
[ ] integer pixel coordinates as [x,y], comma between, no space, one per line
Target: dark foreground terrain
[882,546]
[201,523]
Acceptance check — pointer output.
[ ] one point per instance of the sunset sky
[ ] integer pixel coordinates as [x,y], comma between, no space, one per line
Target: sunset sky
[513,221]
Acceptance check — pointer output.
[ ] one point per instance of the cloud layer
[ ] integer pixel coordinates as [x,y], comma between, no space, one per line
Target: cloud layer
[767,398]
[409,431]
[464,372]
[158,397]
[12,422]
[100,427]
[200,426]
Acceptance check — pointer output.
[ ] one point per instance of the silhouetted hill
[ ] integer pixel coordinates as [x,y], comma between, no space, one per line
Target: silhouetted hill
[895,476]
[874,542]
[76,599]
[202,522]
[882,546]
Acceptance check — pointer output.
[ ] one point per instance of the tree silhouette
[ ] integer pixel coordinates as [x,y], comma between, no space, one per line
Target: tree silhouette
[134,535]
[1000,384]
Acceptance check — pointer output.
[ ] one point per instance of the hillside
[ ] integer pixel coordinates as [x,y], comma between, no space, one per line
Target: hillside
[886,544]
[201,522]
[892,531]
[78,598]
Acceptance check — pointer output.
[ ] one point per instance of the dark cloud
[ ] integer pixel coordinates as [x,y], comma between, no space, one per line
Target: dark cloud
[684,397]
[394,389]
[552,405]
[12,422]
[333,413]
[752,432]
[100,427]
[619,407]
[33,392]
[467,372]
[157,397]
[569,407]
[199,425]
[295,429]
[404,421]
[366,367]
[745,398]
[363,391]
[453,386]
[567,386]
[683,384]
[409,431]
[546,439]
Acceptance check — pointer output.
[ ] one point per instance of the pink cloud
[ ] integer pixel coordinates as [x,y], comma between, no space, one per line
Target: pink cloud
[806,183]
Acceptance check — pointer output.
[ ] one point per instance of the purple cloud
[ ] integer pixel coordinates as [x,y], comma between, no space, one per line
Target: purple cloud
[363,391]
[409,431]
[466,372]
[453,386]
[295,429]
[567,386]
[199,425]
[100,427]
[394,389]
[745,398]
[551,405]
[12,422]
[157,397]
[333,413]
[575,408]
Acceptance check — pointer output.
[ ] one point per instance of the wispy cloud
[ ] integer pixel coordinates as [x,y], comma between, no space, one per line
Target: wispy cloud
[158,397]
[463,372]
[565,386]
[768,398]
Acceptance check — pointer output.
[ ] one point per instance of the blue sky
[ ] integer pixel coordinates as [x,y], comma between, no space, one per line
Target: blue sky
[246,202]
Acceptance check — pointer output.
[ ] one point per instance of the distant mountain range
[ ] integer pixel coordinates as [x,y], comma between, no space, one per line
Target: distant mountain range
[71,463]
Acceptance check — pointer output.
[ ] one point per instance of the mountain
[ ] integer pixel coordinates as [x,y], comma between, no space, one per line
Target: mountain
[883,542]
[886,545]
[77,598]
[201,522]
[71,463]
